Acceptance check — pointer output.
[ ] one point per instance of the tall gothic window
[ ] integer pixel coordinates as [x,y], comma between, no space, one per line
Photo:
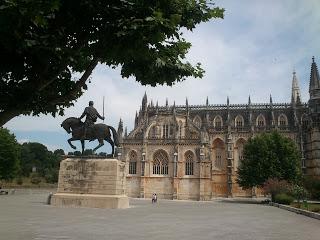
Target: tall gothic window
[189,157]
[282,121]
[152,132]
[197,121]
[304,120]
[239,122]
[165,131]
[219,153]
[260,121]
[133,162]
[160,162]
[239,146]
[217,122]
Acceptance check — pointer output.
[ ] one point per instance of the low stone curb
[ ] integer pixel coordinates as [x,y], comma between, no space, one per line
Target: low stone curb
[297,210]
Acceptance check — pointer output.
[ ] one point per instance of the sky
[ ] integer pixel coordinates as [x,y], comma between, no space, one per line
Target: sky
[252,51]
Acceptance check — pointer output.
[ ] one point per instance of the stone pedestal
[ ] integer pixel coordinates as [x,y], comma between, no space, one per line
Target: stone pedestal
[95,183]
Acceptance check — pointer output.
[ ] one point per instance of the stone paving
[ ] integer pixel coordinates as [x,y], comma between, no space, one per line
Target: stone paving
[25,216]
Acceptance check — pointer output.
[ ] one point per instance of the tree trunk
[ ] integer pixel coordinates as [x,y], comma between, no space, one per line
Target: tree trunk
[7,115]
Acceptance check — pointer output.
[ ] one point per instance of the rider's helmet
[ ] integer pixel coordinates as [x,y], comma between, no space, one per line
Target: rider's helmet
[91,103]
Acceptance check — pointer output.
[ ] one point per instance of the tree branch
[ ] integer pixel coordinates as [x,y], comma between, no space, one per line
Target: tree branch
[7,115]
[79,84]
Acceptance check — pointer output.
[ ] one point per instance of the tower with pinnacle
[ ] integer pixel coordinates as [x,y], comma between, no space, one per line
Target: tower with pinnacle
[312,125]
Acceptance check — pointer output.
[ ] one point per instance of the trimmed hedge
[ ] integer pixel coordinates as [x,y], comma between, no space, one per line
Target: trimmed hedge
[283,198]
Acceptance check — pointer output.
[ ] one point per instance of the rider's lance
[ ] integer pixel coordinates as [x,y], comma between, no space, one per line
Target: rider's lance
[103,108]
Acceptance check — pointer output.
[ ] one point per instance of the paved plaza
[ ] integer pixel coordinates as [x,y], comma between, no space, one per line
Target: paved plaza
[25,216]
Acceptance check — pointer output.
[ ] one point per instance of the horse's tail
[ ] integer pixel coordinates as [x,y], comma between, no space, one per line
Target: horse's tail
[115,136]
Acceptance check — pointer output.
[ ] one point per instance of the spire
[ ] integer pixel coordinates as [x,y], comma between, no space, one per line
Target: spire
[314,86]
[187,107]
[207,101]
[249,100]
[145,96]
[295,91]
[144,102]
[270,99]
[228,102]
[157,108]
[166,102]
[136,120]
[125,132]
[120,127]
[120,131]
[174,107]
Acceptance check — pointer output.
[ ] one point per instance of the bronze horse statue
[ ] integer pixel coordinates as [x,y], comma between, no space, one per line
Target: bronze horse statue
[97,131]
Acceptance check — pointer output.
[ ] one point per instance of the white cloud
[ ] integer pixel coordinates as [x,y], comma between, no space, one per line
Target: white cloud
[24,140]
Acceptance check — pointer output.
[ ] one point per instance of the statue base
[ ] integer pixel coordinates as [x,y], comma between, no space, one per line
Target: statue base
[91,182]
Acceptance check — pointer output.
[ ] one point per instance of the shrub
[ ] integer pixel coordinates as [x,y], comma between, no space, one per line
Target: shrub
[51,176]
[35,178]
[283,198]
[313,187]
[275,186]
[299,192]
[19,181]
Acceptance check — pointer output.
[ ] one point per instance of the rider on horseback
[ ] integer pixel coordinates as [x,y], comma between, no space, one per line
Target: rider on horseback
[91,117]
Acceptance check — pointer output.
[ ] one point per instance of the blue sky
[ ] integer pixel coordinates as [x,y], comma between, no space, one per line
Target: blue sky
[253,51]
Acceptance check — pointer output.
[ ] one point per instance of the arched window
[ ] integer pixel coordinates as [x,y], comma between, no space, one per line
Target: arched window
[217,122]
[218,153]
[189,157]
[304,120]
[239,152]
[239,122]
[152,132]
[282,121]
[132,162]
[160,162]
[165,131]
[197,121]
[260,122]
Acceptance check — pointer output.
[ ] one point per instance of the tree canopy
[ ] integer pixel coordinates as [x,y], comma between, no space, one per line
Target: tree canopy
[9,155]
[45,44]
[269,155]
[18,160]
[35,154]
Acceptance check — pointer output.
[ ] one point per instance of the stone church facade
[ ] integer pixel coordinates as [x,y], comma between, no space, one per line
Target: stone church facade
[192,152]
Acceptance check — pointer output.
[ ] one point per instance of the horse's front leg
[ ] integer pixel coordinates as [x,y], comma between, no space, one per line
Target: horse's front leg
[70,140]
[99,146]
[82,145]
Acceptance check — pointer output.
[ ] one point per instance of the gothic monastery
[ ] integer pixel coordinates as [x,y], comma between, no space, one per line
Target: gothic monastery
[192,152]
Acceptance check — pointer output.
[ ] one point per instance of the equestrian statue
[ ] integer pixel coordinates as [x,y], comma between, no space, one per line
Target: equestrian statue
[88,130]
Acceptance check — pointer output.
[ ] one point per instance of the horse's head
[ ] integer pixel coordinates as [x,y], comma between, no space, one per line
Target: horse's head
[71,123]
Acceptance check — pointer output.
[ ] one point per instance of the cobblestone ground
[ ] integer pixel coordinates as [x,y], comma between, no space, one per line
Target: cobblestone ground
[25,215]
